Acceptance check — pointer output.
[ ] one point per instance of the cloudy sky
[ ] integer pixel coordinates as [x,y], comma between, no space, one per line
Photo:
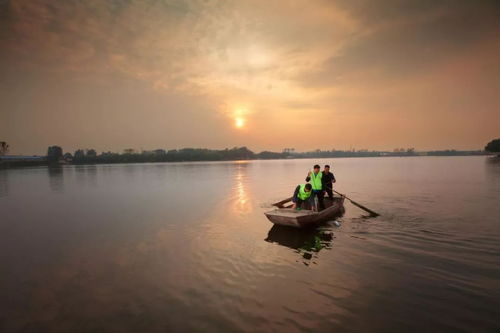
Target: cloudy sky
[266,74]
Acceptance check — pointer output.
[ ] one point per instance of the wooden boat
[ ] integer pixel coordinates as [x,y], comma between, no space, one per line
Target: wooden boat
[285,215]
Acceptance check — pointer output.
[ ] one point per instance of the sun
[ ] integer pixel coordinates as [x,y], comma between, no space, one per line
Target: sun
[239,122]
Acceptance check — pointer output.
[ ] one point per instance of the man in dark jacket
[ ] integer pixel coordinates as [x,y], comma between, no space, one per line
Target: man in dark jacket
[327,181]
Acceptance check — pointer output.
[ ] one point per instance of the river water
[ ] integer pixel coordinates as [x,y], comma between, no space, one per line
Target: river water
[186,247]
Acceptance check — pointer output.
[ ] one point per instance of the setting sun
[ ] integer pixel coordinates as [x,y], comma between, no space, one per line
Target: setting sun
[239,122]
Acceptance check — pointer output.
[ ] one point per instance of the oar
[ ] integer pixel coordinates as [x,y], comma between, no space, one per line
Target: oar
[372,213]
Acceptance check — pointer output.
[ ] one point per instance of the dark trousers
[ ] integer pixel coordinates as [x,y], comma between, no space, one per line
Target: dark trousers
[319,195]
[328,190]
[298,202]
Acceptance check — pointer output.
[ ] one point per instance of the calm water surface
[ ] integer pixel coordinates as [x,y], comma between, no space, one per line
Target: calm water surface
[157,247]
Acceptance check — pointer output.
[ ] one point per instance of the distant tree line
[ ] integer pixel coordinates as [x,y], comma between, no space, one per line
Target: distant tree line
[160,155]
[82,156]
[493,146]
[55,154]
[454,152]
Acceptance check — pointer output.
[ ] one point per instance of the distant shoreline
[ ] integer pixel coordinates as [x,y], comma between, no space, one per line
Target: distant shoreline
[43,161]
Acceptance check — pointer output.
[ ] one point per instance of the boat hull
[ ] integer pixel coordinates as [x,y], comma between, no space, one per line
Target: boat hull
[287,216]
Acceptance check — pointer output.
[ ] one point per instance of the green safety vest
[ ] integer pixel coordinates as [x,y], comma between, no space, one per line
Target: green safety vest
[316,181]
[303,195]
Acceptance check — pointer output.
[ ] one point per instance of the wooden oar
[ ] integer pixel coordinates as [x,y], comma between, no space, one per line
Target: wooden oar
[372,213]
[282,202]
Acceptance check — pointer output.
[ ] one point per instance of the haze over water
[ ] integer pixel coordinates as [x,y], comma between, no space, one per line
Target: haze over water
[186,246]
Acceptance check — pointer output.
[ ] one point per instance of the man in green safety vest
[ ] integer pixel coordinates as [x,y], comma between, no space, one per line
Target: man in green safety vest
[301,194]
[317,187]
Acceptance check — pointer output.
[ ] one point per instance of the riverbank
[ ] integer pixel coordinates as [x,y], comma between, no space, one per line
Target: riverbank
[182,156]
[14,161]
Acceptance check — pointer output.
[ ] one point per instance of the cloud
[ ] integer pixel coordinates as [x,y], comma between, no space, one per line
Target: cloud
[403,38]
[279,60]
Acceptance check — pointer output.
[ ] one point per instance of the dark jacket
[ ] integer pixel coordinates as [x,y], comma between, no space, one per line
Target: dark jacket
[296,194]
[327,180]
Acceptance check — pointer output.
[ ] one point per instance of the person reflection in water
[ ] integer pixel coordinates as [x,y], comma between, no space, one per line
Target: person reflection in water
[301,194]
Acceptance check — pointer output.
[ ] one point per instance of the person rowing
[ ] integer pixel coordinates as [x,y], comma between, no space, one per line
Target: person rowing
[327,181]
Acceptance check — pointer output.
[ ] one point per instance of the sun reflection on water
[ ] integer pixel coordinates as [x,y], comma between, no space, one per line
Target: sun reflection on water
[242,202]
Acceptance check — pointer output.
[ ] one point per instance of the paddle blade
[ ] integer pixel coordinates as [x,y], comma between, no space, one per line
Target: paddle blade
[372,213]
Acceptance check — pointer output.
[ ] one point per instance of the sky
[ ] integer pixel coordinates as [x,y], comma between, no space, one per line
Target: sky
[312,74]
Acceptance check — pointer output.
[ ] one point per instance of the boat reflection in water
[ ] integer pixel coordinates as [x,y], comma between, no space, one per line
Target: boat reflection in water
[307,242]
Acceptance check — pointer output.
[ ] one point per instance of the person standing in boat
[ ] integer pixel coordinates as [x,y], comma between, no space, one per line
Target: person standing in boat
[301,194]
[317,187]
[327,181]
